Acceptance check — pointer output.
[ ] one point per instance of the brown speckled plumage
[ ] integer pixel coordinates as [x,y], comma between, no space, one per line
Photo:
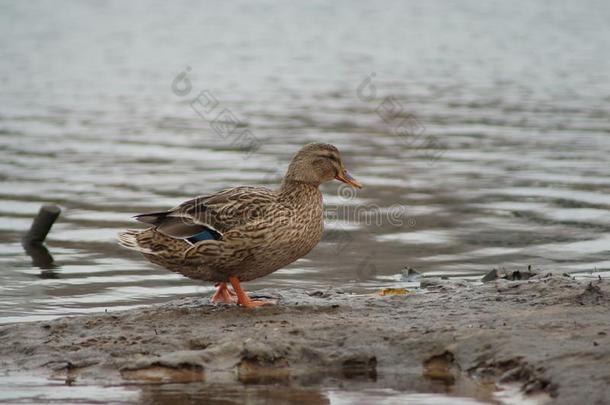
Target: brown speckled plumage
[259,230]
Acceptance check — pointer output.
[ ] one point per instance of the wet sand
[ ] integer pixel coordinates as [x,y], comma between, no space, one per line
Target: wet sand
[548,335]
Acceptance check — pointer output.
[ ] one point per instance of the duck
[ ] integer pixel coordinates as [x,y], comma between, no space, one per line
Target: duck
[243,233]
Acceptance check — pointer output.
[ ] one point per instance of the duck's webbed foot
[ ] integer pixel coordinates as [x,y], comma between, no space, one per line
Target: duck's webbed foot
[224,294]
[243,299]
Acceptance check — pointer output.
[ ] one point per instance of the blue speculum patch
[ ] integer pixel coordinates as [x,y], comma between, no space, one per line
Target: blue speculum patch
[203,235]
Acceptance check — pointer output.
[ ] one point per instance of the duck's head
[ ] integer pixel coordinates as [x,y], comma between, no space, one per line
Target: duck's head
[317,163]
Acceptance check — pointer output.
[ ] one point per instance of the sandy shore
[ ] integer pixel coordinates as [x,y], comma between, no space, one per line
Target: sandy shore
[548,334]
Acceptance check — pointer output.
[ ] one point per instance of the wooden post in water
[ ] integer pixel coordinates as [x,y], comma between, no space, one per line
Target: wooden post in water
[41,225]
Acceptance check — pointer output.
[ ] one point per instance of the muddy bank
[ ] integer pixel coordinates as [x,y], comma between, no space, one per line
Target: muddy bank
[548,334]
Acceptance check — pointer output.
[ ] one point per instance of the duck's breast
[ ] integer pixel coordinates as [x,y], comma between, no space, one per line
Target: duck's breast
[294,228]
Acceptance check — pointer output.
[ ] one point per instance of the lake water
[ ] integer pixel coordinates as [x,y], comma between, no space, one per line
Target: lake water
[480,130]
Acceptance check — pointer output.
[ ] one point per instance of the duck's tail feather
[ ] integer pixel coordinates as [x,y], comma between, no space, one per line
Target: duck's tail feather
[156,247]
[129,240]
[151,242]
[152,218]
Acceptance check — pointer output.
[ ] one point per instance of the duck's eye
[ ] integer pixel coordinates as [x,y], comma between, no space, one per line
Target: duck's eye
[331,157]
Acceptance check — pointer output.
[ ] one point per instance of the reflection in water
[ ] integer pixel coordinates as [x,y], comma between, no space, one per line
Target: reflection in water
[105,132]
[231,394]
[37,390]
[42,259]
[310,389]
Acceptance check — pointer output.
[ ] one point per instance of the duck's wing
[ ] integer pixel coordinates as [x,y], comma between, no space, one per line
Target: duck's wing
[209,216]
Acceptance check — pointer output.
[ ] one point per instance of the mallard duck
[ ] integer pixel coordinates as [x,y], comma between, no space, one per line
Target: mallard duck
[243,233]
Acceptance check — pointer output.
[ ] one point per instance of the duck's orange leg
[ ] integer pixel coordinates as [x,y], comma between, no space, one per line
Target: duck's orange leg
[223,294]
[242,297]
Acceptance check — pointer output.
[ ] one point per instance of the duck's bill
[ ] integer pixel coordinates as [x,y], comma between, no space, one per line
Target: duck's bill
[346,178]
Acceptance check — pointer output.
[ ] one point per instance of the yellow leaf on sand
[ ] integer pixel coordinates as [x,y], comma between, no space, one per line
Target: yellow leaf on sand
[393,291]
